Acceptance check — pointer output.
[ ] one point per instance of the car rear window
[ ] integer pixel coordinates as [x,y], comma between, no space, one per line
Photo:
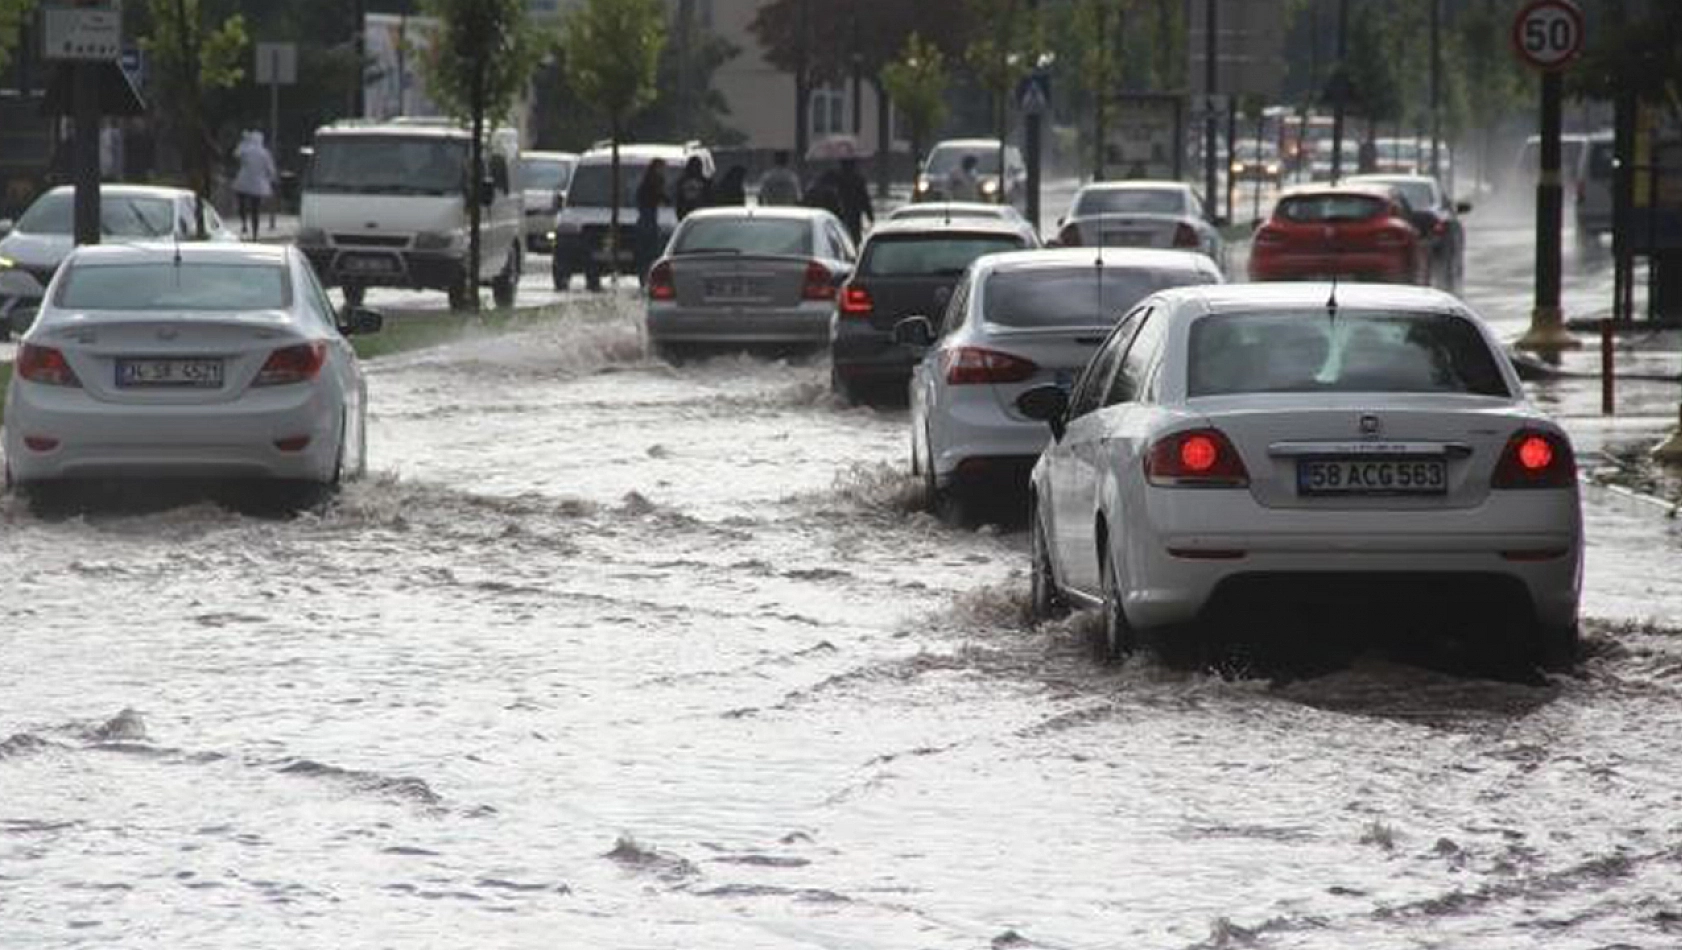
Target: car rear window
[745,235]
[1307,209]
[1310,351]
[186,286]
[592,183]
[1129,201]
[930,255]
[119,215]
[1075,296]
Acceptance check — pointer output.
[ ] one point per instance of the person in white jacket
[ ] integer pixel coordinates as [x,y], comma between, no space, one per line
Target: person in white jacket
[254,182]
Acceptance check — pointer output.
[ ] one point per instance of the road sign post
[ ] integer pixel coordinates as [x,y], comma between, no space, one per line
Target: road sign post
[1548,35]
[84,35]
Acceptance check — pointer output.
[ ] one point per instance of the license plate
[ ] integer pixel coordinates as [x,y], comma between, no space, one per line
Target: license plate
[188,373]
[1372,477]
[734,287]
[369,264]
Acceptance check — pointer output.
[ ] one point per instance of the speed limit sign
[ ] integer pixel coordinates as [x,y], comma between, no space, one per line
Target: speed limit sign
[1548,34]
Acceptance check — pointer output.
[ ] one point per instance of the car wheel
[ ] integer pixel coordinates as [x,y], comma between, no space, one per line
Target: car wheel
[1045,600]
[592,277]
[506,285]
[560,273]
[464,295]
[1557,649]
[1119,638]
[842,389]
[670,353]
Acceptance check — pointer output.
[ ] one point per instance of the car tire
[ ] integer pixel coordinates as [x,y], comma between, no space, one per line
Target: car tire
[842,389]
[464,296]
[1557,649]
[592,277]
[1118,639]
[1045,598]
[560,273]
[670,353]
[505,286]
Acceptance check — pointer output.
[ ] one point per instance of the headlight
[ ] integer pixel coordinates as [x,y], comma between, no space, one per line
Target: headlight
[1272,168]
[922,185]
[311,237]
[990,186]
[7,262]
[1237,168]
[436,240]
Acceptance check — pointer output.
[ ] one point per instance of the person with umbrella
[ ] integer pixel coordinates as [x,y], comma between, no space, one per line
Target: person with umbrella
[855,199]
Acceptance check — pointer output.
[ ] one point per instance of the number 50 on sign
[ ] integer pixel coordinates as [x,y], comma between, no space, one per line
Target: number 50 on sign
[1548,34]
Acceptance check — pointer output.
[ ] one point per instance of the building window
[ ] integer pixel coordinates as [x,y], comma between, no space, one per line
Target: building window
[829,112]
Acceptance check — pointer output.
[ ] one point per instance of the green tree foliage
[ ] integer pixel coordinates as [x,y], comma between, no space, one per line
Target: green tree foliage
[1000,54]
[612,53]
[13,14]
[190,58]
[880,28]
[480,61]
[916,82]
[1634,53]
[692,109]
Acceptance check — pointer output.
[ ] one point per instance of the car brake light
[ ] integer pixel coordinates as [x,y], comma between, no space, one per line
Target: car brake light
[1185,235]
[45,365]
[1199,458]
[292,364]
[856,302]
[660,285]
[1269,235]
[819,284]
[1536,459]
[971,364]
[1069,236]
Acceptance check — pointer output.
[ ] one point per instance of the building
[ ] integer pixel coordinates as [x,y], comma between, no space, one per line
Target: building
[1249,46]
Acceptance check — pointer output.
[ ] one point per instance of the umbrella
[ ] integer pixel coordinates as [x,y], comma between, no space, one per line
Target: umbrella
[836,147]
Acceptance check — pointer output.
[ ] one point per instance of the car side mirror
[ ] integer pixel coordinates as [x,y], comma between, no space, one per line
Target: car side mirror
[1047,404]
[6,225]
[358,321]
[915,332]
[21,319]
[1462,207]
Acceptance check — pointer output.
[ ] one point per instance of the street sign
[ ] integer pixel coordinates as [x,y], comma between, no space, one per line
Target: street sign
[133,62]
[277,64]
[1548,34]
[82,30]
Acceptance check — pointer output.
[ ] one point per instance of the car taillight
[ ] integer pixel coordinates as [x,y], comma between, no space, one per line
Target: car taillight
[819,283]
[1198,458]
[660,285]
[1536,459]
[292,364]
[45,365]
[965,365]
[856,302]
[1269,235]
[1069,236]
[1185,235]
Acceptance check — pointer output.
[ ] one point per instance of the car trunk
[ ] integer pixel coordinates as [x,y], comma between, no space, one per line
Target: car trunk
[1058,353]
[739,280]
[1129,230]
[203,359]
[895,298]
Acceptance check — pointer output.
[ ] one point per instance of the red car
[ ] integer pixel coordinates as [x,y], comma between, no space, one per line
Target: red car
[1352,232]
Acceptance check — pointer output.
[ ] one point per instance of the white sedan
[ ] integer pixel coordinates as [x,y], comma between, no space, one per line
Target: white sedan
[1017,320]
[1165,214]
[1361,449]
[204,361]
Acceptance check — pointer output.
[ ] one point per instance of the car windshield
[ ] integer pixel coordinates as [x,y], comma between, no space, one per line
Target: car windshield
[1129,201]
[388,165]
[930,255]
[1075,296]
[119,215]
[1312,351]
[545,174]
[947,159]
[593,183]
[1418,193]
[1311,209]
[746,235]
[192,286]
[1250,150]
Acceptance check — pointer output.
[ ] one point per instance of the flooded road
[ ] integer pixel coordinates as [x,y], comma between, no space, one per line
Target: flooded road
[611,654]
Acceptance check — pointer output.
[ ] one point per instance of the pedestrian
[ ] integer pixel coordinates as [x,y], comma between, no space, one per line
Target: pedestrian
[780,186]
[825,193]
[1366,157]
[732,189]
[651,195]
[963,184]
[855,199]
[693,188]
[254,182]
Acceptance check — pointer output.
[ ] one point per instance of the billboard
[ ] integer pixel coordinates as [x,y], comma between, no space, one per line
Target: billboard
[391,80]
[1143,136]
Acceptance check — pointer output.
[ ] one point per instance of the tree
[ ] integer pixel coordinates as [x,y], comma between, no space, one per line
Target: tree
[916,82]
[187,61]
[481,59]
[13,14]
[612,52]
[1000,56]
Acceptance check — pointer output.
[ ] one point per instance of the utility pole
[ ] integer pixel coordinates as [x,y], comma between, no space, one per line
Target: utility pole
[858,77]
[803,85]
[1436,85]
[1210,50]
[359,46]
[1340,89]
[1101,100]
[85,106]
[1030,132]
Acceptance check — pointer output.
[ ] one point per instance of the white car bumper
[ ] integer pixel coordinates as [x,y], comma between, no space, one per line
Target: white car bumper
[971,426]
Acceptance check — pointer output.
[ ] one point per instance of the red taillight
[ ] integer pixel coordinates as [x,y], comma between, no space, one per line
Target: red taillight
[292,364]
[1069,236]
[293,443]
[40,443]
[45,365]
[1391,238]
[1535,459]
[971,364]
[856,302]
[1185,235]
[1269,235]
[1202,458]
[660,285]
[819,283]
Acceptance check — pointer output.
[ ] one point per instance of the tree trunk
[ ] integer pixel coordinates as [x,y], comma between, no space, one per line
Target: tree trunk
[884,139]
[613,205]
[475,202]
[194,136]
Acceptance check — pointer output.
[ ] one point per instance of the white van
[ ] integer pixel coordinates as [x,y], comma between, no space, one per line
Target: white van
[386,205]
[585,217]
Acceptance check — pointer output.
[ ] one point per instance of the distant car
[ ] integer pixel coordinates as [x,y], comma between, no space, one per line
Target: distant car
[948,210]
[1017,321]
[544,177]
[1437,219]
[1320,162]
[1353,232]
[221,361]
[1395,156]
[948,156]
[1240,446]
[1161,214]
[32,248]
[1595,174]
[748,276]
[905,268]
[584,221]
[1257,160]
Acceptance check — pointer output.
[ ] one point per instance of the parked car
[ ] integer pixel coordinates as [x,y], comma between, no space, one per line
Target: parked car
[1364,449]
[33,247]
[748,276]
[544,177]
[906,268]
[1353,232]
[1164,214]
[1017,321]
[1595,173]
[386,204]
[948,156]
[583,224]
[947,210]
[224,361]
[1437,219]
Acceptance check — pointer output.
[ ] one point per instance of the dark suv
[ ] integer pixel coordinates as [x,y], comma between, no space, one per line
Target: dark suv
[906,268]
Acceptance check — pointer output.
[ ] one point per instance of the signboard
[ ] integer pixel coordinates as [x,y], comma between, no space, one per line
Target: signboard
[82,31]
[1548,34]
[277,64]
[1142,137]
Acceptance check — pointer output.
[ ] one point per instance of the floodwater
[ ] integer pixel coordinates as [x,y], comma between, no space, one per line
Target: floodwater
[608,654]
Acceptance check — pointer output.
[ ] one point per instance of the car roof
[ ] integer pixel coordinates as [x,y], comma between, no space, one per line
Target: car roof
[137,191]
[1307,295]
[1136,184]
[1112,257]
[785,212]
[414,129]
[550,156]
[935,208]
[164,252]
[1390,178]
[1345,187]
[968,143]
[903,226]
[641,150]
